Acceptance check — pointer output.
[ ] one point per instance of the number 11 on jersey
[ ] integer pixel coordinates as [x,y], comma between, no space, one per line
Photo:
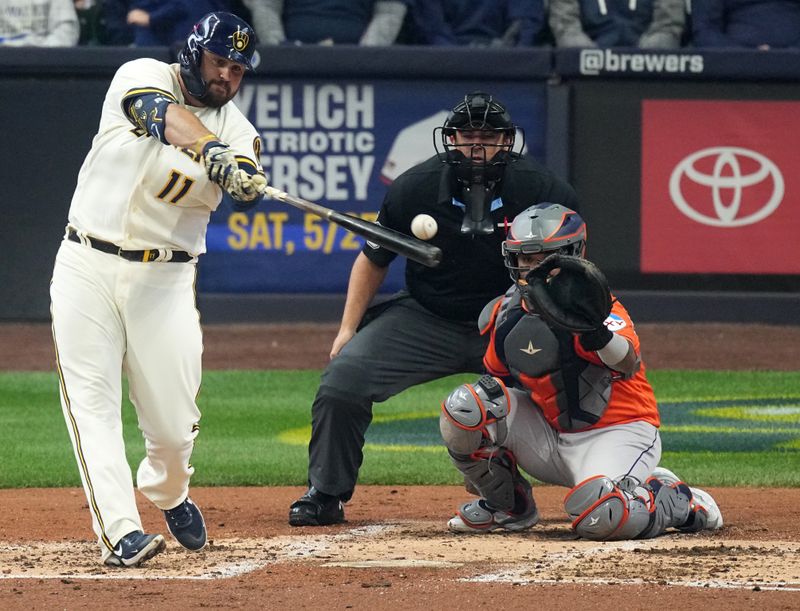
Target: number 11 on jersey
[174,178]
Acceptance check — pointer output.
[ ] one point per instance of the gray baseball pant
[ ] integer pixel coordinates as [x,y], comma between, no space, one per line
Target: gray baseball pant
[404,345]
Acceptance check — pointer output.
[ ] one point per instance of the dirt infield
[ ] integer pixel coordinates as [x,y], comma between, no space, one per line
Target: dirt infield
[395,550]
[306,346]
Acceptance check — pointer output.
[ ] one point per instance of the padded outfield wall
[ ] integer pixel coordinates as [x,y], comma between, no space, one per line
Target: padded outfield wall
[683,162]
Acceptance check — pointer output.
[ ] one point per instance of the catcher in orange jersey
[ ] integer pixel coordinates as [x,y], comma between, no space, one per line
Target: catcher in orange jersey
[566,399]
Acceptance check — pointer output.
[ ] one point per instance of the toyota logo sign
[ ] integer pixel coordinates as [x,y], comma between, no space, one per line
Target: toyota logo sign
[726,175]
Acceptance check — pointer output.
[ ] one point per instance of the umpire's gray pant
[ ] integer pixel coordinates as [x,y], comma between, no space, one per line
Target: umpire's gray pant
[402,346]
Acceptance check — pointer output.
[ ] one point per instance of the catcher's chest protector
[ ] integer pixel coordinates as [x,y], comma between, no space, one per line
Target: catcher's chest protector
[545,361]
[524,343]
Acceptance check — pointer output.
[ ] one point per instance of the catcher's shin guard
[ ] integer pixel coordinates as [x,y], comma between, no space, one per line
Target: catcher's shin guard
[493,473]
[601,510]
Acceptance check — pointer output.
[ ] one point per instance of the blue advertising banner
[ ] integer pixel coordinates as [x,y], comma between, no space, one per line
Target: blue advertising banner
[339,144]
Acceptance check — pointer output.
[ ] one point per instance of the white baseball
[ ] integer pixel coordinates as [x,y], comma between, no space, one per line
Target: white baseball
[424,226]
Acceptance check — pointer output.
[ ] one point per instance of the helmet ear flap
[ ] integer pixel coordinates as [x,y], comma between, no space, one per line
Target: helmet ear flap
[190,59]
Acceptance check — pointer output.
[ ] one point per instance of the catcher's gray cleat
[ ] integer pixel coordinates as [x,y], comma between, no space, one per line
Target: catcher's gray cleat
[704,513]
[134,548]
[480,517]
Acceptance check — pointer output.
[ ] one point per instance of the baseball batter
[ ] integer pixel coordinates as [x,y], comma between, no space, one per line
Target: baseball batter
[123,300]
[578,412]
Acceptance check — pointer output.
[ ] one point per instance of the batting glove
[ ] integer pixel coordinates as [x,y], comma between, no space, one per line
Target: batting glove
[223,169]
[245,187]
[220,162]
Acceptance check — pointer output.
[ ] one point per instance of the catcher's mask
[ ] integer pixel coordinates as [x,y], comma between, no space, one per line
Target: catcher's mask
[548,228]
[223,34]
[477,173]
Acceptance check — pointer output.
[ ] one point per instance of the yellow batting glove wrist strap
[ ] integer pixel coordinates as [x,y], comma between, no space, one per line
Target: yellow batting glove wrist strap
[200,143]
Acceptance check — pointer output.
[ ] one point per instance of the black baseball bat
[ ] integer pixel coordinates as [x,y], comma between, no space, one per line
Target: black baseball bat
[416,250]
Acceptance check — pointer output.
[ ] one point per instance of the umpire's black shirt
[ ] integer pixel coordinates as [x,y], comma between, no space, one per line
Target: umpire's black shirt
[472,272]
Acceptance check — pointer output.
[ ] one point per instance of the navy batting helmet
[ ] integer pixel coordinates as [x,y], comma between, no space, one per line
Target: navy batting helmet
[548,228]
[223,34]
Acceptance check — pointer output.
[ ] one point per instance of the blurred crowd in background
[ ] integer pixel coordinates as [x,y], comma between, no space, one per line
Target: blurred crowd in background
[655,24]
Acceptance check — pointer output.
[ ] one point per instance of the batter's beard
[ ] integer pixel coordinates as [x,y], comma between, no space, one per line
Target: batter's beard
[214,99]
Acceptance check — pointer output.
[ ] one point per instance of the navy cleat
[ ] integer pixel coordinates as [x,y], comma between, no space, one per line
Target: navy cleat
[134,548]
[186,524]
[316,508]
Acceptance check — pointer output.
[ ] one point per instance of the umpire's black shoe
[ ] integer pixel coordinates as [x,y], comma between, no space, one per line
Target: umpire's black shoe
[316,508]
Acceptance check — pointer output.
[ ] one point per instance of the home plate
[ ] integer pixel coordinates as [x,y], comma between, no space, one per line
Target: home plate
[394,564]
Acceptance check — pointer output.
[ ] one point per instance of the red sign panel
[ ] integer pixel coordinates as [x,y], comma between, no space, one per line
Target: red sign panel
[720,187]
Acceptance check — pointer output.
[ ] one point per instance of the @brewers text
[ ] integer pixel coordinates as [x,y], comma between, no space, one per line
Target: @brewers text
[595,61]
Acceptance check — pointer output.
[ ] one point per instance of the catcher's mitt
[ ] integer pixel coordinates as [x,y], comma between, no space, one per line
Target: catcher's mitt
[575,299]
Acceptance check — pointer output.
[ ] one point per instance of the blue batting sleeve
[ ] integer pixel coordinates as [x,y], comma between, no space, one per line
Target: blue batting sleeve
[247,164]
[146,108]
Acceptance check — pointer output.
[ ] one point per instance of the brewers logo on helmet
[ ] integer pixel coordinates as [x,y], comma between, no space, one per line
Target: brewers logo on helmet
[240,40]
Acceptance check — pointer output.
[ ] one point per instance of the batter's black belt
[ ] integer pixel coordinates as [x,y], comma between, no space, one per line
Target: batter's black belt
[145,256]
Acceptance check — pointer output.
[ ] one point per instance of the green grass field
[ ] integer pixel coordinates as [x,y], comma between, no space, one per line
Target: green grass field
[719,429]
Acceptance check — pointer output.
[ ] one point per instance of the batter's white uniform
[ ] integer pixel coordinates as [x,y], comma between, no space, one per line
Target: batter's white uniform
[112,315]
